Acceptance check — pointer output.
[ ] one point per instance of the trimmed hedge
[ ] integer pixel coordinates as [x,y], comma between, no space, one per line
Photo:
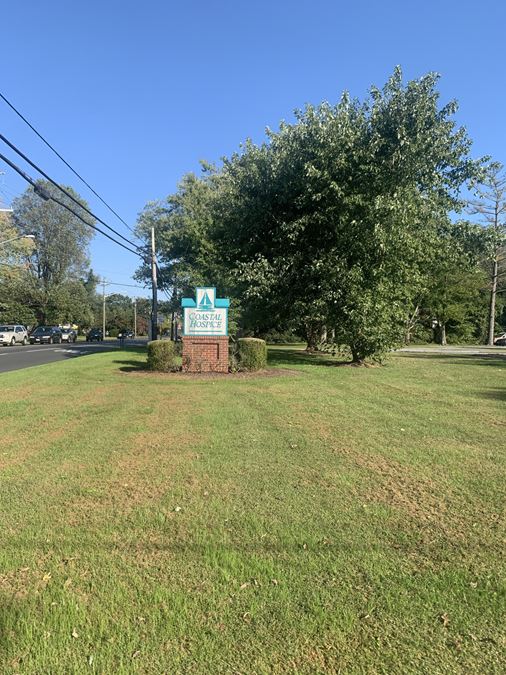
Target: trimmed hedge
[162,356]
[252,353]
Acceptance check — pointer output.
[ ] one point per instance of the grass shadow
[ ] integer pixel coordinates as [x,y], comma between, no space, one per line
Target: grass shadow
[493,394]
[496,360]
[291,357]
[131,366]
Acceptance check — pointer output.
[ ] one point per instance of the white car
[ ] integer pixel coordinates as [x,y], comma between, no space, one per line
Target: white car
[10,334]
[68,335]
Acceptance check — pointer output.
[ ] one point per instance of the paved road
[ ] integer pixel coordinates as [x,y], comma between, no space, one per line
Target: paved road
[455,350]
[14,358]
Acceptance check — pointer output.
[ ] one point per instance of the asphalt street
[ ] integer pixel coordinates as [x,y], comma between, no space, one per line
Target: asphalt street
[15,358]
[456,350]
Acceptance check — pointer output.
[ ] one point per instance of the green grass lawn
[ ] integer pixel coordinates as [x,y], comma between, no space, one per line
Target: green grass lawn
[326,519]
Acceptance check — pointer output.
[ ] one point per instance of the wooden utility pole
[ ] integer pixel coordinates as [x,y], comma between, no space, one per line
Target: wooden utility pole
[154,307]
[103,308]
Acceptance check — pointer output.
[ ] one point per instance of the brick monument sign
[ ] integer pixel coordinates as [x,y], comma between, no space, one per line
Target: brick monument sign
[205,332]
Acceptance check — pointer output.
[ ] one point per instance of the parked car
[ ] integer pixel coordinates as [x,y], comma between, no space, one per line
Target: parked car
[10,334]
[46,334]
[500,341]
[95,334]
[68,335]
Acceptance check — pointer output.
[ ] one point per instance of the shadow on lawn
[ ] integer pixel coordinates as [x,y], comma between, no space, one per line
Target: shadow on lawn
[496,360]
[131,366]
[287,357]
[493,394]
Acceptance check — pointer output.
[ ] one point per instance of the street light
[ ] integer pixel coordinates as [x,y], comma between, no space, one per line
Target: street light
[22,236]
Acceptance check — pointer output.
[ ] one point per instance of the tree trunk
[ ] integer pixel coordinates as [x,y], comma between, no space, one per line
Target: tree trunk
[410,325]
[323,334]
[313,332]
[491,311]
[172,335]
[356,356]
[439,328]
[443,334]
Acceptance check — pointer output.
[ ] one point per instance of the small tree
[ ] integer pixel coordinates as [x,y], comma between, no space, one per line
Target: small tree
[60,255]
[490,206]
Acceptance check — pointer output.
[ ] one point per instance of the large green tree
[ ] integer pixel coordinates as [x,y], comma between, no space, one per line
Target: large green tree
[58,262]
[332,221]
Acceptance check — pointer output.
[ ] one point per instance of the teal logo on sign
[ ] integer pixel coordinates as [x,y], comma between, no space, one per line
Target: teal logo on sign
[207,314]
[205,304]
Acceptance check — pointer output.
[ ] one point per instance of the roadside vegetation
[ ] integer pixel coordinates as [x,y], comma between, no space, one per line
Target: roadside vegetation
[321,519]
[348,226]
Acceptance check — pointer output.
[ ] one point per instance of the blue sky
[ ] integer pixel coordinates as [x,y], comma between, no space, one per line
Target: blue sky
[134,94]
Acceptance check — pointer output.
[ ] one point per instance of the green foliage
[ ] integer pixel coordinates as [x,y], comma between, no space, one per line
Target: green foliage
[14,312]
[251,353]
[183,221]
[52,284]
[334,221]
[162,356]
[490,207]
[62,239]
[454,297]
[282,337]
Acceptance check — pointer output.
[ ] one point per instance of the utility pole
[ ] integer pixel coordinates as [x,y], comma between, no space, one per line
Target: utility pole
[154,308]
[173,321]
[493,296]
[103,308]
[3,210]
[135,317]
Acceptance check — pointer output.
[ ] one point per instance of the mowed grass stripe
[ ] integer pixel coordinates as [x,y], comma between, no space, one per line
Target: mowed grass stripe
[256,525]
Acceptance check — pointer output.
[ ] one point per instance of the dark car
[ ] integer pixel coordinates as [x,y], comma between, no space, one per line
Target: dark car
[123,334]
[500,341]
[46,334]
[95,334]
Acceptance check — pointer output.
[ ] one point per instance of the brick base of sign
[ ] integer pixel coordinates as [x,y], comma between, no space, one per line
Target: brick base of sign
[205,354]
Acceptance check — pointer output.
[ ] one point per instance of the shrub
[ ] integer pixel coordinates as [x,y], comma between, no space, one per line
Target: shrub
[162,356]
[252,353]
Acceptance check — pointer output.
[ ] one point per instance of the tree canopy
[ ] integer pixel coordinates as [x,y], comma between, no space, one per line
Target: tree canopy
[334,221]
[50,287]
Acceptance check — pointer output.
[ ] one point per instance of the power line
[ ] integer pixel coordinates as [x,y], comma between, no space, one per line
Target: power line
[65,162]
[45,195]
[65,192]
[94,227]
[112,283]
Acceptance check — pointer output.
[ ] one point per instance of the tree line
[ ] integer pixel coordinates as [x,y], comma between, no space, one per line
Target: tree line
[362,225]
[47,279]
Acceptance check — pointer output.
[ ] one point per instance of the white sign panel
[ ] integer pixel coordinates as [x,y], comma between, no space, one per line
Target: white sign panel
[200,322]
